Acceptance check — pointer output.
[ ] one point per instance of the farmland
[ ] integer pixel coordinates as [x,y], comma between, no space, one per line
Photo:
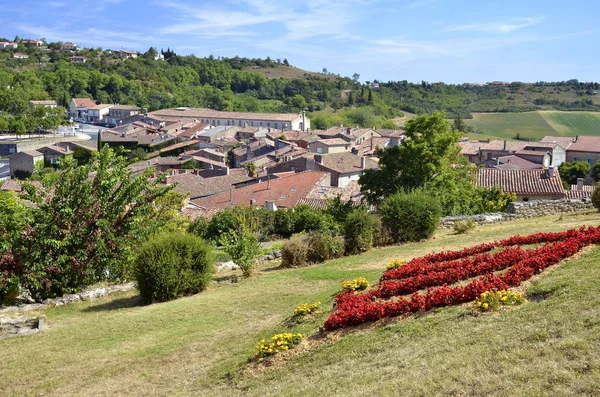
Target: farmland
[536,125]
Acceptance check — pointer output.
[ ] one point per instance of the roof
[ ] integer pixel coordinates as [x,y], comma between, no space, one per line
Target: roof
[125,107]
[54,149]
[216,114]
[334,142]
[513,162]
[84,102]
[588,144]
[192,129]
[345,162]
[564,141]
[285,192]
[499,144]
[471,148]
[43,103]
[32,153]
[524,182]
[180,145]
[20,54]
[101,106]
[172,160]
[14,185]
[584,188]
[140,166]
[197,186]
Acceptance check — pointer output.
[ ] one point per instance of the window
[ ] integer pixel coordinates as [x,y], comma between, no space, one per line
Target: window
[268,124]
[575,158]
[275,125]
[590,162]
[319,149]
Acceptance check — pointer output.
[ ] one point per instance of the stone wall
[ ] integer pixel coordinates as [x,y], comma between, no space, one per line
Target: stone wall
[524,210]
[24,145]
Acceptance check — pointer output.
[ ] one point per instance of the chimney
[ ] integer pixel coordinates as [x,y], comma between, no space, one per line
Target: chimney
[268,182]
[505,144]
[252,201]
[231,194]
[227,171]
[348,130]
[576,138]
[550,172]
[168,180]
[67,149]
[580,184]
[319,158]
[363,162]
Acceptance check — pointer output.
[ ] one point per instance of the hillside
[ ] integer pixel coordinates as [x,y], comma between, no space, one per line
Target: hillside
[288,73]
[200,345]
[536,125]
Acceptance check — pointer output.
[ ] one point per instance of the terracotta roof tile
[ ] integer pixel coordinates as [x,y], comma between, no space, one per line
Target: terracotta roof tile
[346,162]
[563,141]
[586,144]
[84,102]
[532,182]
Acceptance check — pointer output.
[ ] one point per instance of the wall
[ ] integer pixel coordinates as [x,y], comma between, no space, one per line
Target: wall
[524,210]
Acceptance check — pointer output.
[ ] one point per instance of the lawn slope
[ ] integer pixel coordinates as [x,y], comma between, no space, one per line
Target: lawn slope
[199,345]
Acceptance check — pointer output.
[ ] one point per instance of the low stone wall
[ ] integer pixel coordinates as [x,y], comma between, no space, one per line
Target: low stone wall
[524,210]
[19,326]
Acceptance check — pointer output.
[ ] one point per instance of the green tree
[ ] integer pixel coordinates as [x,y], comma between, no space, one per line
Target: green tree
[242,242]
[596,171]
[250,167]
[570,171]
[459,124]
[297,103]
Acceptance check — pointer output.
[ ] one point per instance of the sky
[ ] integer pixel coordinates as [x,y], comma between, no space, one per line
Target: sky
[453,41]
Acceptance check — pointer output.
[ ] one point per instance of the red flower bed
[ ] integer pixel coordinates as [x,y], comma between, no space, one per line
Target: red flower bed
[443,269]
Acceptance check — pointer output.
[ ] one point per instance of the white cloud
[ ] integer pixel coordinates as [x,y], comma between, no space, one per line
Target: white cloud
[498,27]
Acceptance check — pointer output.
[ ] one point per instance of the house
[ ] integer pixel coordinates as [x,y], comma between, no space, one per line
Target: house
[131,137]
[96,114]
[252,150]
[514,163]
[374,85]
[48,104]
[181,147]
[281,121]
[564,141]
[283,192]
[23,163]
[124,54]
[53,153]
[77,59]
[584,148]
[32,43]
[196,186]
[120,112]
[472,150]
[78,107]
[532,151]
[4,45]
[20,55]
[69,47]
[210,135]
[544,184]
[325,146]
[344,167]
[320,195]
[159,57]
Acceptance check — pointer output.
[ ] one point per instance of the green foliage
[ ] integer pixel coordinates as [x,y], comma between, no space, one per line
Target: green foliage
[358,231]
[242,243]
[83,227]
[570,171]
[199,227]
[294,253]
[338,209]
[410,216]
[250,167]
[172,265]
[323,247]
[464,226]
[596,171]
[596,197]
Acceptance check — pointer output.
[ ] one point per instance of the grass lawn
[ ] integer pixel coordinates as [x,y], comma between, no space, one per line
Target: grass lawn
[199,345]
[536,124]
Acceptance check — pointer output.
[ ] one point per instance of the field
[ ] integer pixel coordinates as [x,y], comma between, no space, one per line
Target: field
[536,124]
[201,345]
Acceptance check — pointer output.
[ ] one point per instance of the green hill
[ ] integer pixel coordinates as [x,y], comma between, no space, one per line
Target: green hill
[537,124]
[200,345]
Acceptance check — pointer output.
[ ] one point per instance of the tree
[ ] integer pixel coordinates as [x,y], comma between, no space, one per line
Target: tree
[297,102]
[355,77]
[596,171]
[250,167]
[324,70]
[285,62]
[570,171]
[459,124]
[86,224]
[242,243]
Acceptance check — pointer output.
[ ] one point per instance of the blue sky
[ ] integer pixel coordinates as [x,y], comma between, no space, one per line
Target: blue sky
[453,41]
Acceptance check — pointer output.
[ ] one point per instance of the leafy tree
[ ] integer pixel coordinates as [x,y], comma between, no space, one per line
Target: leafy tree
[242,243]
[596,171]
[285,62]
[570,171]
[324,70]
[459,124]
[250,167]
[297,103]
[85,225]
[355,77]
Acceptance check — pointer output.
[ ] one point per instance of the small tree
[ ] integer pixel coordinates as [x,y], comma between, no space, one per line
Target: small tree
[242,243]
[250,167]
[596,171]
[570,171]
[596,197]
[358,231]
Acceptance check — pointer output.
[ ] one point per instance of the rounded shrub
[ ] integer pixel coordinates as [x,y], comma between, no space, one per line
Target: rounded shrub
[294,253]
[358,231]
[173,265]
[410,216]
[323,247]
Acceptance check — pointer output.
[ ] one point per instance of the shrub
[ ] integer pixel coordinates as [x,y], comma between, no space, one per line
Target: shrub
[381,234]
[358,231]
[491,300]
[357,284]
[294,253]
[464,226]
[172,265]
[277,343]
[199,227]
[306,308]
[323,246]
[596,197]
[242,243]
[410,216]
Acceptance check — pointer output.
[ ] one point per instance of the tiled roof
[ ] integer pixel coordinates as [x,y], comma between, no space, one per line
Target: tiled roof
[584,188]
[13,185]
[179,145]
[125,107]
[172,160]
[143,165]
[532,182]
[588,144]
[578,194]
[101,106]
[84,102]
[471,148]
[350,192]
[197,186]
[345,162]
[499,144]
[32,153]
[285,192]
[563,141]
[513,162]
[526,152]
[334,142]
[209,113]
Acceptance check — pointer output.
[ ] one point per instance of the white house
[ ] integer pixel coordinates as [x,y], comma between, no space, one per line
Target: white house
[78,107]
[7,46]
[97,113]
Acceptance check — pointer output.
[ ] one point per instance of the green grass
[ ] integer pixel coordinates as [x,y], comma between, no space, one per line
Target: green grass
[536,124]
[199,345]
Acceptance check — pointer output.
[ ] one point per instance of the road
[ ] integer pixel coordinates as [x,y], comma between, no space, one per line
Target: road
[90,130]
[4,169]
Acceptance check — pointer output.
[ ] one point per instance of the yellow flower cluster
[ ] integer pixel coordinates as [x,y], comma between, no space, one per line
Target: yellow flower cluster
[306,308]
[396,263]
[490,300]
[278,343]
[356,284]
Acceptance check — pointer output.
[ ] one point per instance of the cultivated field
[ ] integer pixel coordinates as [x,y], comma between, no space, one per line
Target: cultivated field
[201,345]
[536,124]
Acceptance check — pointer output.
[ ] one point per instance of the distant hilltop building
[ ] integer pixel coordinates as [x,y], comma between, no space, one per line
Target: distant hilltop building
[500,83]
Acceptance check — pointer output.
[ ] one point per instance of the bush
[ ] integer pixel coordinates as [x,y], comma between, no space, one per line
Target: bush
[323,247]
[410,216]
[199,227]
[596,197]
[242,243]
[358,231]
[464,226]
[173,265]
[381,234]
[294,253]
[491,300]
[306,308]
[357,284]
[277,343]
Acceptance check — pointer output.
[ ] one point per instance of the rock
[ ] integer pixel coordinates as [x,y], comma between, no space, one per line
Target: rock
[276,253]
[227,266]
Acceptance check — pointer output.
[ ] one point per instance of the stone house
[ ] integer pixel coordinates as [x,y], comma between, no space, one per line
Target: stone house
[96,114]
[536,184]
[120,112]
[332,145]
[24,162]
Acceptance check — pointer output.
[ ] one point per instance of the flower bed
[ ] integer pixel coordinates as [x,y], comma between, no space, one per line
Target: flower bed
[437,272]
